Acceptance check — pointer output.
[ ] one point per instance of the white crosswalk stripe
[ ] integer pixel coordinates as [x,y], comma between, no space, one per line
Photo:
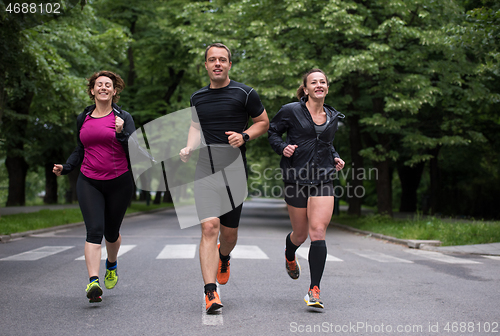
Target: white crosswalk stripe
[377,256]
[211,319]
[303,252]
[104,254]
[38,253]
[188,251]
[178,251]
[248,252]
[441,257]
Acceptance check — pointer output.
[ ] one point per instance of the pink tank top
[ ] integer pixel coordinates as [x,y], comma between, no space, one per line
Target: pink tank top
[104,157]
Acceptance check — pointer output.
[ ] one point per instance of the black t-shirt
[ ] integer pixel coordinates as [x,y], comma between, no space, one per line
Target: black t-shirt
[225,109]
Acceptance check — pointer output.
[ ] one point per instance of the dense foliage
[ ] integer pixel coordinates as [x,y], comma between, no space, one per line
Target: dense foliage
[418,82]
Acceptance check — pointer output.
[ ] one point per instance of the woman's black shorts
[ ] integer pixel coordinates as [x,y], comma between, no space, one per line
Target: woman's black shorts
[297,195]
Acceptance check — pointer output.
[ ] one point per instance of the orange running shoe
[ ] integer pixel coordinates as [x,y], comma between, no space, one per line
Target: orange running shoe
[223,271]
[312,298]
[293,268]
[213,302]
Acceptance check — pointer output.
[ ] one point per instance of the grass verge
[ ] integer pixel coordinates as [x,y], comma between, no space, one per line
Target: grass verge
[48,218]
[450,232]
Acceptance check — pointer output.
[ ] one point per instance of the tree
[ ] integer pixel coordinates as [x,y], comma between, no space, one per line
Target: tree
[45,89]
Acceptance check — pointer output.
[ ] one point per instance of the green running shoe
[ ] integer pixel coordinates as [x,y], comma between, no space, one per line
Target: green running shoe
[111,278]
[94,292]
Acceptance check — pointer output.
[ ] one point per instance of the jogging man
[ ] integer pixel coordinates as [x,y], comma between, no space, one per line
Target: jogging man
[223,109]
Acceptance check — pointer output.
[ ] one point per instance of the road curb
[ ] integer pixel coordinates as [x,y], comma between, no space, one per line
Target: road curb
[7,238]
[411,243]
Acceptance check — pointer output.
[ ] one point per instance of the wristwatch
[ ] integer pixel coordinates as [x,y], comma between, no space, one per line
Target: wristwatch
[246,137]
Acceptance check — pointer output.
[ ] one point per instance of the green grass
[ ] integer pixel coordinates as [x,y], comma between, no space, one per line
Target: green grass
[48,218]
[448,231]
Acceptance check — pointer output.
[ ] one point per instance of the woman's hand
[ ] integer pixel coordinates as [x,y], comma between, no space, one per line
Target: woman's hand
[289,150]
[340,163]
[118,124]
[57,169]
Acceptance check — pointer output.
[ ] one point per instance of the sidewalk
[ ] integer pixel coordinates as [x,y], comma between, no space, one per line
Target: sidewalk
[35,208]
[432,245]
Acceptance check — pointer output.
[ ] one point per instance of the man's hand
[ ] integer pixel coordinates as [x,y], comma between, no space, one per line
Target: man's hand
[185,153]
[235,139]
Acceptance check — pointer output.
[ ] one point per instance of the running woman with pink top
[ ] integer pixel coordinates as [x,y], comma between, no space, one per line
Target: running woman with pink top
[105,184]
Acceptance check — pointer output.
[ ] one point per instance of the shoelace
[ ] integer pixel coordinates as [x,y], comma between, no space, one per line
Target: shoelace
[211,296]
[292,265]
[223,266]
[315,293]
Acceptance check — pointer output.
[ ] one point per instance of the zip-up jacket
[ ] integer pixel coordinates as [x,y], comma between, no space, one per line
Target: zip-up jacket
[313,160]
[76,158]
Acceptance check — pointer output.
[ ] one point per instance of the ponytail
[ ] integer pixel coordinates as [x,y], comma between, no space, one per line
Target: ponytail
[300,90]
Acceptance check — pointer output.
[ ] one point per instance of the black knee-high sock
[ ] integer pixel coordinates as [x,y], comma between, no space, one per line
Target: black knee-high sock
[290,249]
[317,259]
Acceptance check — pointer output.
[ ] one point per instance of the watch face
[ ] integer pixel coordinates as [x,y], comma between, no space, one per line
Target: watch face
[246,137]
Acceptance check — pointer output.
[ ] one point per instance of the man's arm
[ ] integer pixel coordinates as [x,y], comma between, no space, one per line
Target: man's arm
[192,143]
[259,127]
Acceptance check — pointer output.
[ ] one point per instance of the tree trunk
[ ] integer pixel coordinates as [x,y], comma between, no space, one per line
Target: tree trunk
[435,182]
[157,199]
[384,187]
[17,169]
[130,55]
[73,178]
[384,181]
[50,185]
[357,163]
[410,180]
[176,80]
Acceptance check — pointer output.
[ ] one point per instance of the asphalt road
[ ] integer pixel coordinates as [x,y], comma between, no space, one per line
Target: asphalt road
[369,287]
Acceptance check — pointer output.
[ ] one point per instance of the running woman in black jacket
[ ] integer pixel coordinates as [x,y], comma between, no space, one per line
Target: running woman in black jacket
[308,163]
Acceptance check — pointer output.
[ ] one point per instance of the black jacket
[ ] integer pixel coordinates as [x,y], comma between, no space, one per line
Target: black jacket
[313,159]
[76,158]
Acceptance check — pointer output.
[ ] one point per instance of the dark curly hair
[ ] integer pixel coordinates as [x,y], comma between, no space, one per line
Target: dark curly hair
[118,83]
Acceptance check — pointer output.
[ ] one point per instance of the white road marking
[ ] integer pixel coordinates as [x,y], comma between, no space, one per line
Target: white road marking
[248,252]
[492,257]
[441,257]
[377,256]
[178,251]
[211,319]
[49,234]
[38,253]
[303,252]
[104,254]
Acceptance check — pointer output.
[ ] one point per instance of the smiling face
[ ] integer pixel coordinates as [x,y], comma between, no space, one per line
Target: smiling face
[103,90]
[317,86]
[218,66]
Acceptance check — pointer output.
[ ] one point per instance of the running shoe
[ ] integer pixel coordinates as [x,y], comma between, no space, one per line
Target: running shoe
[293,268]
[94,292]
[111,278]
[223,271]
[312,298]
[212,302]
